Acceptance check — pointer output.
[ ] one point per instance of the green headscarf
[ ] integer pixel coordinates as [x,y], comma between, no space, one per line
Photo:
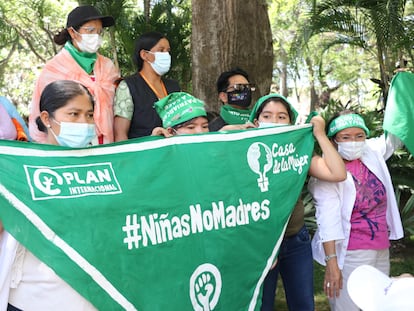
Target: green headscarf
[345,121]
[178,108]
[262,99]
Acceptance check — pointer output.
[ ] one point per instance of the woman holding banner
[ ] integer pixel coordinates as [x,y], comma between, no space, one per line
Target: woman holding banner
[357,217]
[66,118]
[295,263]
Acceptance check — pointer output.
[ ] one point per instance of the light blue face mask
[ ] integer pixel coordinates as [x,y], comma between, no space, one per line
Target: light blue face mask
[263,125]
[162,62]
[74,135]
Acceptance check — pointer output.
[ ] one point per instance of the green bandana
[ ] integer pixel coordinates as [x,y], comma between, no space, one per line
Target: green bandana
[345,121]
[262,99]
[234,116]
[178,108]
[85,60]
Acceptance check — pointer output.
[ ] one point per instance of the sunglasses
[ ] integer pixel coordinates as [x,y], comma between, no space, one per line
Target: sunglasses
[241,87]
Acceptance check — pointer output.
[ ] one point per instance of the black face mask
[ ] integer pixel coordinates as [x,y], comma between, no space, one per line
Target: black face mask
[241,98]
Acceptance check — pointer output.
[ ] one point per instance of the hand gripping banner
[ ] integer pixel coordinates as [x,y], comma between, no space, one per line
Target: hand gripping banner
[183,223]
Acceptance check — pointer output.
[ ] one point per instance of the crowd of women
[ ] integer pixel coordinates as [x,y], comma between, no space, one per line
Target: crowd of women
[80,100]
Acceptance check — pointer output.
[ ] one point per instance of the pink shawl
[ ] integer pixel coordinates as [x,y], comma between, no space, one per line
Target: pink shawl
[64,67]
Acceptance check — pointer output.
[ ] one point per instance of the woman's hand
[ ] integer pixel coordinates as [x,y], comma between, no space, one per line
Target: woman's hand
[318,126]
[160,131]
[232,127]
[332,283]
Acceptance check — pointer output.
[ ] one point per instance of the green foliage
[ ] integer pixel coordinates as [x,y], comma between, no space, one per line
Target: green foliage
[376,26]
[405,199]
[26,31]
[172,18]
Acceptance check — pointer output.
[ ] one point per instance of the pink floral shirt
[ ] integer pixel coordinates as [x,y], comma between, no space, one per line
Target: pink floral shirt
[368,220]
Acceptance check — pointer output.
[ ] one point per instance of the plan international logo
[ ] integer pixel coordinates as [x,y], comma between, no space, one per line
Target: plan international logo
[62,182]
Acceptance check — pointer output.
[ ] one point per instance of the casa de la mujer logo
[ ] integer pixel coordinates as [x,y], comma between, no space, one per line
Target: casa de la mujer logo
[71,181]
[278,159]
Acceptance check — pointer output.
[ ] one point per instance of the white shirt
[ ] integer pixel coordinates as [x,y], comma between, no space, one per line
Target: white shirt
[34,286]
[335,201]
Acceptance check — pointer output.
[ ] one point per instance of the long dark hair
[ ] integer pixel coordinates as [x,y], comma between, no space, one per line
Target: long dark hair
[145,42]
[56,95]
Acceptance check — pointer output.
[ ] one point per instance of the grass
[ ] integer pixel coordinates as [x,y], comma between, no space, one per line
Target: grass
[402,261]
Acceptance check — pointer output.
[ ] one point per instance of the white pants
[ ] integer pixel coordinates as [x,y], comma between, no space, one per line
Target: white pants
[379,259]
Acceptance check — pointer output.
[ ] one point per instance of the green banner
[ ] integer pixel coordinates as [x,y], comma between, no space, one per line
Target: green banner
[184,223]
[399,111]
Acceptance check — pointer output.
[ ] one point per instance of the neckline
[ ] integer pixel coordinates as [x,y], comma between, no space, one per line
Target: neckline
[159,96]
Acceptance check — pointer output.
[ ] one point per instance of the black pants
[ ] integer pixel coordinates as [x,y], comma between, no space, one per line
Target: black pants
[11,308]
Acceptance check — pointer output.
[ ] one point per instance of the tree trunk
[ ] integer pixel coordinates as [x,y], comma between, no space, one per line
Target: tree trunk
[313,94]
[226,34]
[283,73]
[147,8]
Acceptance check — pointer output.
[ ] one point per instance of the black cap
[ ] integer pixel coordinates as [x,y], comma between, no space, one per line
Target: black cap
[85,13]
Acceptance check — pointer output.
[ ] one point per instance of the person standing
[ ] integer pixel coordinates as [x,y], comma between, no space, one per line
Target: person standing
[295,262]
[80,61]
[67,119]
[134,113]
[359,216]
[235,92]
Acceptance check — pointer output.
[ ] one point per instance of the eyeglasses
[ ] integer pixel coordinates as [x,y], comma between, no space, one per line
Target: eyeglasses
[241,87]
[92,30]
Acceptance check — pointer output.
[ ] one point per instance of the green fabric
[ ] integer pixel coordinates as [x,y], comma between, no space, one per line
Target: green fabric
[346,121]
[85,60]
[310,116]
[399,111]
[233,115]
[147,224]
[262,99]
[178,108]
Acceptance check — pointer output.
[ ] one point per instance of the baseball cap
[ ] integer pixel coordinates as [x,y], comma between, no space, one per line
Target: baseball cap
[85,13]
[372,290]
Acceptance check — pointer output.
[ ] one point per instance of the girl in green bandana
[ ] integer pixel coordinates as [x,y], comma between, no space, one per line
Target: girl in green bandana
[295,262]
[181,113]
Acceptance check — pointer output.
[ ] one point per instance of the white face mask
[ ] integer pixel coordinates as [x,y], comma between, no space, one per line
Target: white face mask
[263,125]
[74,135]
[350,150]
[162,62]
[90,43]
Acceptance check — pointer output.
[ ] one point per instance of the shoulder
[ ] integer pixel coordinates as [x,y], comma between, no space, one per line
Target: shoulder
[216,124]
[172,85]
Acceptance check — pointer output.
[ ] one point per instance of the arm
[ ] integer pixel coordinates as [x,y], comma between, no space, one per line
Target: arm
[331,167]
[123,111]
[121,128]
[333,276]
[7,128]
